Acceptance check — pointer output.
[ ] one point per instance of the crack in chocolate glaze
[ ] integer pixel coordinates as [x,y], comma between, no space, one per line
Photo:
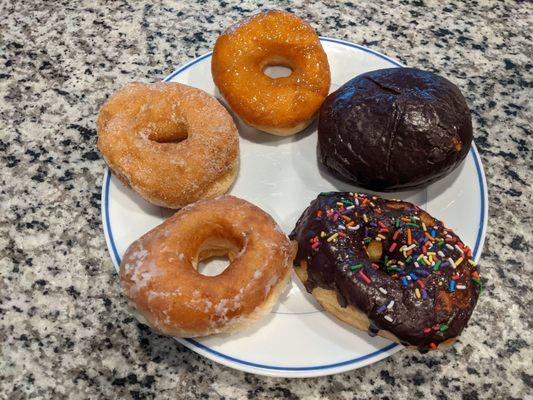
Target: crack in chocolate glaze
[398,115]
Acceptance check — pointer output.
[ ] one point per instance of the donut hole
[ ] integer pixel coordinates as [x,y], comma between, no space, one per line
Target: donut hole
[375,251]
[171,132]
[213,266]
[277,71]
[276,67]
[215,256]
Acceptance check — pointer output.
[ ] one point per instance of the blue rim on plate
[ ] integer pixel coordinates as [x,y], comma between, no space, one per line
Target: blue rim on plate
[116,257]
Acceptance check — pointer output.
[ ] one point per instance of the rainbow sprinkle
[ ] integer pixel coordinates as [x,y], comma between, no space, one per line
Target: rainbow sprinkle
[332,237]
[365,278]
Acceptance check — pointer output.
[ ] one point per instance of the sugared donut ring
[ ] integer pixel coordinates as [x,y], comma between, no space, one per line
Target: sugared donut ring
[171,143]
[387,267]
[158,273]
[281,106]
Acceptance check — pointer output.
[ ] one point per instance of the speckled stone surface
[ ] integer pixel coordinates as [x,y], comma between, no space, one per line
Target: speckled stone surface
[65,331]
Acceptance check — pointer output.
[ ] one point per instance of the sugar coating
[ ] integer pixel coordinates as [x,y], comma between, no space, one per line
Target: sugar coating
[137,132]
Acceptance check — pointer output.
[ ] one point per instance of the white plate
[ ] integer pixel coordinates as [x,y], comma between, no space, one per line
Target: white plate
[282,175]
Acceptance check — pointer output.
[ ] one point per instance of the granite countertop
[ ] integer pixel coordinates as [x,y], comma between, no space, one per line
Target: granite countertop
[65,331]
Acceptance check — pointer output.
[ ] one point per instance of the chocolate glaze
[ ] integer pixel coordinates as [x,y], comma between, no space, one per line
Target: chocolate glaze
[396,128]
[329,266]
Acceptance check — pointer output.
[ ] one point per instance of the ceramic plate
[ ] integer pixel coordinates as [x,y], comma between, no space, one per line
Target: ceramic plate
[282,175]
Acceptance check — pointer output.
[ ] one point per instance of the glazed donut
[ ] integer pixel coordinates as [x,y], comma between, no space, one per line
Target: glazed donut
[159,277]
[386,267]
[157,140]
[280,106]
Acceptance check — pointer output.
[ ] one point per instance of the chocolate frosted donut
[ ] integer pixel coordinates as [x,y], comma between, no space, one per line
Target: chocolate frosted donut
[396,128]
[388,267]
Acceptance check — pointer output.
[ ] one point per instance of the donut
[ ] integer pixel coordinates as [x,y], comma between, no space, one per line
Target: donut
[280,106]
[386,267]
[159,274]
[394,129]
[157,140]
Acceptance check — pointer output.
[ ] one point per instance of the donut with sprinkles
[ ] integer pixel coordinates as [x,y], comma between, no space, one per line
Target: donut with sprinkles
[387,267]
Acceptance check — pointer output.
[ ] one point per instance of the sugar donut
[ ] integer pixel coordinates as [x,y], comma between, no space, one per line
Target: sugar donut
[281,106]
[387,267]
[137,132]
[158,273]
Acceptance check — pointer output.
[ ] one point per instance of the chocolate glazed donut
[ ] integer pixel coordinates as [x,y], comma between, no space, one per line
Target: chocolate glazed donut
[397,128]
[388,267]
